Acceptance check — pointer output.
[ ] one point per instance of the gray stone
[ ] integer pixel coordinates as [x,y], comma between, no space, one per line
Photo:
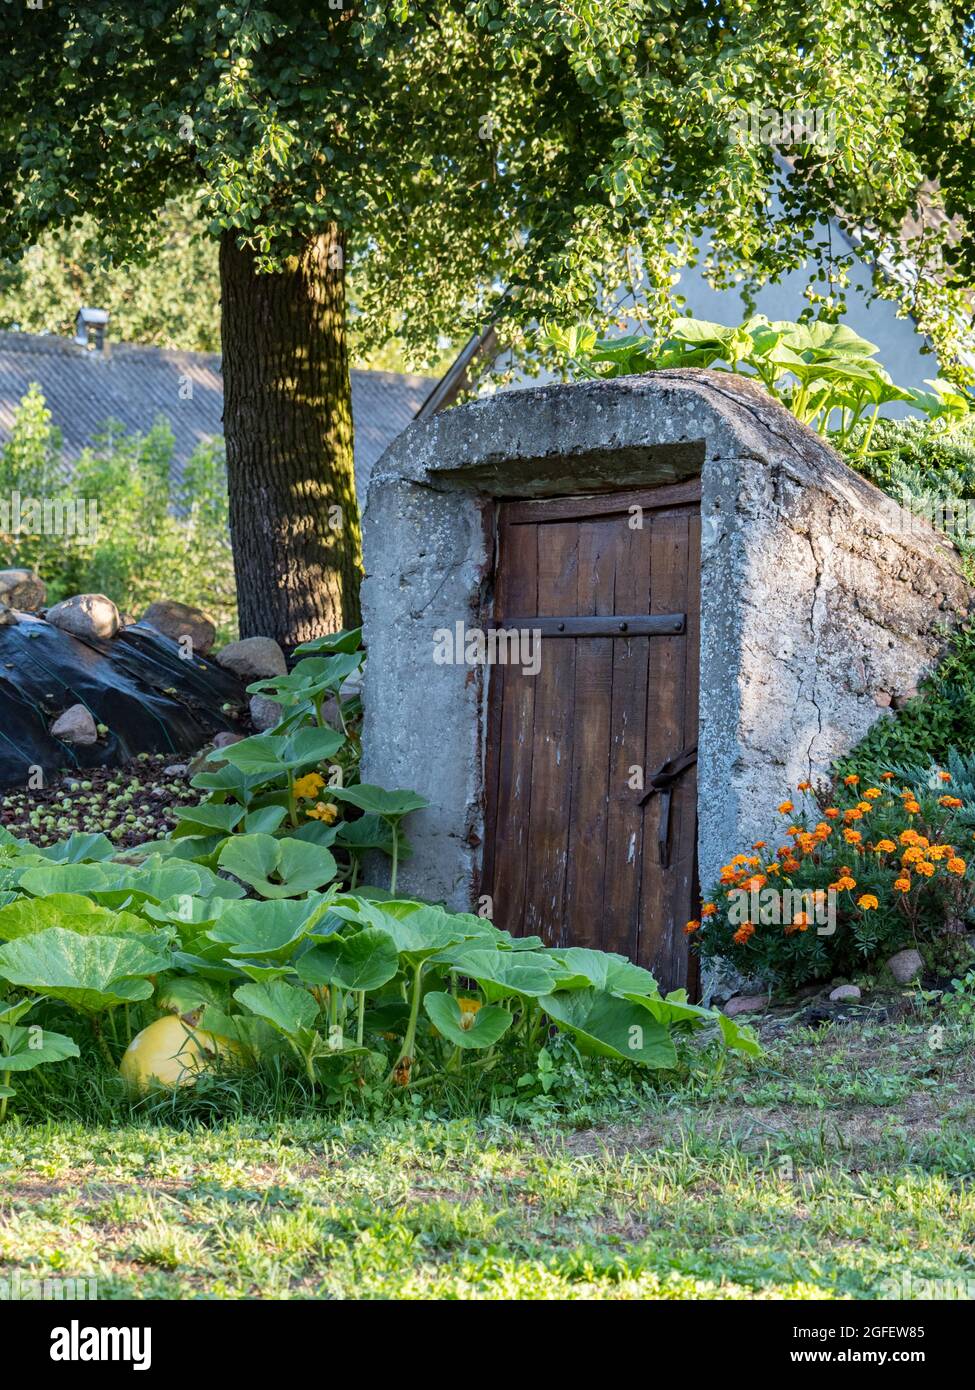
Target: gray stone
[253,658]
[85,615]
[803,563]
[844,992]
[75,725]
[22,589]
[264,713]
[745,1004]
[225,738]
[176,770]
[905,966]
[176,620]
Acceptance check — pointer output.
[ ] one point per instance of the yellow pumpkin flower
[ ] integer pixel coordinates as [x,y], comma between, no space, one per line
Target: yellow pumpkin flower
[308,787]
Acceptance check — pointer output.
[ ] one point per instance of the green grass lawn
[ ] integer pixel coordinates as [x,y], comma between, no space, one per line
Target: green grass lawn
[840,1162]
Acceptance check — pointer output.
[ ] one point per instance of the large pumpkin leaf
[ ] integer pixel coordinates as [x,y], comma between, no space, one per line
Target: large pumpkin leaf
[506,974]
[91,973]
[604,970]
[27,916]
[289,1010]
[277,868]
[606,1026]
[348,640]
[270,928]
[22,1049]
[271,755]
[377,801]
[78,848]
[364,961]
[480,1028]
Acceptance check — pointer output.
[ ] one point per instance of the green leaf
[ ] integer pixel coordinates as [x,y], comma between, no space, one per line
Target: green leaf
[289,1010]
[480,1029]
[605,970]
[91,973]
[22,1049]
[606,1026]
[503,974]
[365,961]
[270,928]
[348,640]
[277,868]
[27,916]
[79,847]
[378,801]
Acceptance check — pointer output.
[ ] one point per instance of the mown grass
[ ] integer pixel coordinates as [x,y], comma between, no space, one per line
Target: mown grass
[839,1166]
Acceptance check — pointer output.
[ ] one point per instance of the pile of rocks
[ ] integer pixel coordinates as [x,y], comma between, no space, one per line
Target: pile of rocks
[94,618]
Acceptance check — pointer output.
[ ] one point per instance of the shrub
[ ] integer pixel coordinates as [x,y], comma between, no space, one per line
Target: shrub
[861,873]
[157,537]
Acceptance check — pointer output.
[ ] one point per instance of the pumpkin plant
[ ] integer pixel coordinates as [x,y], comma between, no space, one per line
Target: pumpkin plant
[22,1049]
[824,373]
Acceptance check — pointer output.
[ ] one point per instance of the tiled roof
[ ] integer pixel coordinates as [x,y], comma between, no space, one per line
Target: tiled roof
[135,385]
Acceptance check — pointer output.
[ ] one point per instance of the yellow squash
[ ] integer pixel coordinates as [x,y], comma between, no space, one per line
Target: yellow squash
[172,1052]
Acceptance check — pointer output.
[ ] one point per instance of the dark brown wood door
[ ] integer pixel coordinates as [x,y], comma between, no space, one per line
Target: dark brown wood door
[570,854]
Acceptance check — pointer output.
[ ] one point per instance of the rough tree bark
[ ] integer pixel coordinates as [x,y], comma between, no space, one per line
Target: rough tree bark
[294,522]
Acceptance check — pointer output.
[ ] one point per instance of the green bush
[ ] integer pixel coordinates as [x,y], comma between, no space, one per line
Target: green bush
[156,537]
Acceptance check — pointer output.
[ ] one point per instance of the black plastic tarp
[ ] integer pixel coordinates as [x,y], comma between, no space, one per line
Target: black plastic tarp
[150,698]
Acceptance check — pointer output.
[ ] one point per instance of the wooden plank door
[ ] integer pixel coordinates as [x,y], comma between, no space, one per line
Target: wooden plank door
[570,853]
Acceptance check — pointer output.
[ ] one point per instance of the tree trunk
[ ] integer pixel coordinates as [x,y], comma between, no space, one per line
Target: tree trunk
[294,521]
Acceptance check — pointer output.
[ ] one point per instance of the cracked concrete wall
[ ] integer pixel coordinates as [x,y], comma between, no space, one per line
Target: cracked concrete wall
[822,601]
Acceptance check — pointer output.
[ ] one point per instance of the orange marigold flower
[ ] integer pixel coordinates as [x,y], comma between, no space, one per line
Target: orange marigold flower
[884,846]
[950,801]
[854,813]
[945,776]
[872,793]
[852,837]
[803,786]
[843,884]
[709,909]
[831,812]
[785,808]
[692,927]
[801,920]
[902,884]
[864,807]
[886,777]
[754,883]
[867,902]
[914,855]
[759,844]
[956,865]
[851,780]
[923,867]
[911,807]
[908,837]
[790,865]
[743,933]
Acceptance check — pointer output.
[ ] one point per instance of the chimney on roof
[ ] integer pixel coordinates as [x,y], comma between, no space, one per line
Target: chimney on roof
[90,327]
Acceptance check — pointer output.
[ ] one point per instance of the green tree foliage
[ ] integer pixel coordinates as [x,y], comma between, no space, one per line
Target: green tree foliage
[467,158]
[171,301]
